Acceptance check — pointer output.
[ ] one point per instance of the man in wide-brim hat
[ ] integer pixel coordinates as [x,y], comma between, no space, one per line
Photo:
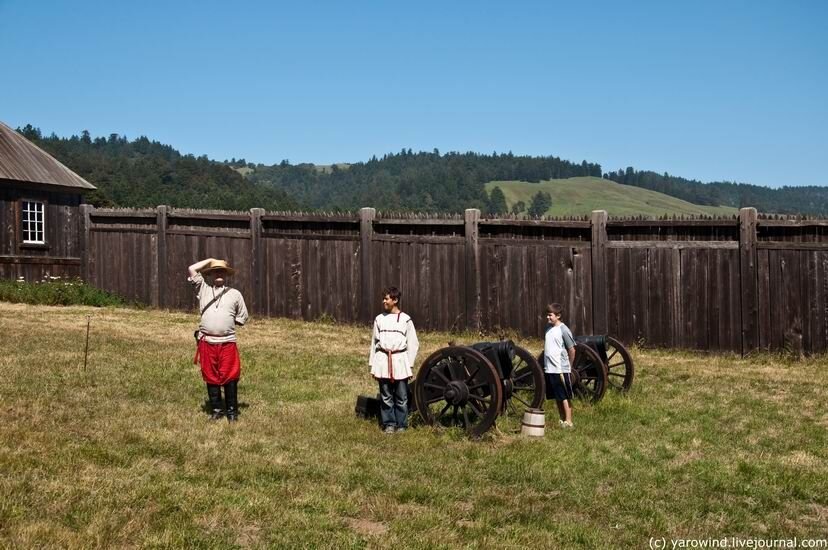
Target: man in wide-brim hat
[222,309]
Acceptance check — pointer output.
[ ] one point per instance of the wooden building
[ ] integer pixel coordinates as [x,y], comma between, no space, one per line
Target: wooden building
[40,200]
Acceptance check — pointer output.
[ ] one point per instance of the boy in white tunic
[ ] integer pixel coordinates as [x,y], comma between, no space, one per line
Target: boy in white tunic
[393,351]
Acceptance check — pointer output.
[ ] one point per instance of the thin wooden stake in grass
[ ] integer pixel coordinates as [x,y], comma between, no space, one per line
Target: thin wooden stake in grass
[86,349]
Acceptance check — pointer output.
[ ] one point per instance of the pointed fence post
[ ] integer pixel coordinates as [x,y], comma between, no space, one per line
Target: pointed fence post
[159,273]
[471,229]
[749,279]
[257,268]
[85,221]
[600,294]
[366,238]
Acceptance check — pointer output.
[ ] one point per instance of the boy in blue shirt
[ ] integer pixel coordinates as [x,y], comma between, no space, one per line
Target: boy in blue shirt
[558,356]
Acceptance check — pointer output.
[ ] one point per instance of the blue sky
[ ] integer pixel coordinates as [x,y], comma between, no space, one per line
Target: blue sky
[727,90]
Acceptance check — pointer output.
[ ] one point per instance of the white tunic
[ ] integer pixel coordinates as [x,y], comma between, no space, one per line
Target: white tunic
[393,332]
[218,322]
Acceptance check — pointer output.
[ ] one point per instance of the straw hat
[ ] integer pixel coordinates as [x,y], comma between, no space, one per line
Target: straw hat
[219,264]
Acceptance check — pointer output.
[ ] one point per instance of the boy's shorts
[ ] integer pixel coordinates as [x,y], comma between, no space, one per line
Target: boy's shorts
[558,386]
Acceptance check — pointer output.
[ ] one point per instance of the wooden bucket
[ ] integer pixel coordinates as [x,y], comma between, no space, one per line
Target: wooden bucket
[533,423]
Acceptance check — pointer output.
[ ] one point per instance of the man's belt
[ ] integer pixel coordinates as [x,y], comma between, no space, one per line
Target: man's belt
[390,353]
[199,335]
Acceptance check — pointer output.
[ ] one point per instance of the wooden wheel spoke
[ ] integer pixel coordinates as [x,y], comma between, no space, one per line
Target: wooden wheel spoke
[515,396]
[618,374]
[523,388]
[614,353]
[486,400]
[478,386]
[522,376]
[435,386]
[440,415]
[434,400]
[616,364]
[466,421]
[441,375]
[477,411]
[470,378]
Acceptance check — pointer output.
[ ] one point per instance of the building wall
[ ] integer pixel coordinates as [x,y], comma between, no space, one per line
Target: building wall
[60,255]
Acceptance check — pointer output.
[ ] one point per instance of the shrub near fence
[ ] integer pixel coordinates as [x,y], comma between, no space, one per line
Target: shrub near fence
[56,291]
[736,284]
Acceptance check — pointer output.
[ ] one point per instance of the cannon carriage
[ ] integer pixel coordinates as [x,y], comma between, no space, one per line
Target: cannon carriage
[470,386]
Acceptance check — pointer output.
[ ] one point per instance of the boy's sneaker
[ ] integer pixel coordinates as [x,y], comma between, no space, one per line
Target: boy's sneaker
[561,423]
[400,430]
[567,425]
[388,430]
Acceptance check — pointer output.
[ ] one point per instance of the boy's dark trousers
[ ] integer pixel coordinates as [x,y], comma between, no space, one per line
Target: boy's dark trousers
[231,398]
[394,406]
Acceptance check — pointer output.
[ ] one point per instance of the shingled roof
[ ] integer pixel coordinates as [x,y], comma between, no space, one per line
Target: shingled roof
[22,160]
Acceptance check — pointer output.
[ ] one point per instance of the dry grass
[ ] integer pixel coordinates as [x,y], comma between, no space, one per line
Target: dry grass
[122,455]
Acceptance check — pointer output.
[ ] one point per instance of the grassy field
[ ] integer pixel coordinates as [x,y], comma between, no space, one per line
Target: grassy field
[121,454]
[580,196]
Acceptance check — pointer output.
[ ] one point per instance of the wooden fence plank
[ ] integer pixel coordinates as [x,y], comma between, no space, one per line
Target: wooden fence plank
[257,261]
[599,272]
[472,279]
[158,279]
[748,279]
[366,234]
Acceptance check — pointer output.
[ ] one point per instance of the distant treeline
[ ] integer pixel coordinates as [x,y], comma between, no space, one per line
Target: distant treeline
[144,173]
[428,182]
[811,200]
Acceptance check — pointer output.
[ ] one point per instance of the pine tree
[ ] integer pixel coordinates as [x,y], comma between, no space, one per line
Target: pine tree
[497,202]
[518,207]
[541,202]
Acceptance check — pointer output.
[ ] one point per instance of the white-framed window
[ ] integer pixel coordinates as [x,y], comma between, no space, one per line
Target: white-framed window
[34,221]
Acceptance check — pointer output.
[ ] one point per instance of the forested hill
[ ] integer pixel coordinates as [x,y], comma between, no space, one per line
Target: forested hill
[811,200]
[428,182]
[144,173]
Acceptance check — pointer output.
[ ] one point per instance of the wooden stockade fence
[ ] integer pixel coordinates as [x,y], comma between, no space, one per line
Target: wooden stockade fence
[737,284]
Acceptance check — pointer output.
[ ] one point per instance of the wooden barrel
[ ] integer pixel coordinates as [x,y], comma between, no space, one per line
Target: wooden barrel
[533,423]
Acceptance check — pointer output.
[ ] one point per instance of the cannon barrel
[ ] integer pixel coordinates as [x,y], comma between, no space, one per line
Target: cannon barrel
[596,342]
[500,354]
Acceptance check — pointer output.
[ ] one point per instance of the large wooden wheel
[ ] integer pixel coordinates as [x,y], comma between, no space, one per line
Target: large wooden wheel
[525,387]
[620,370]
[458,386]
[589,374]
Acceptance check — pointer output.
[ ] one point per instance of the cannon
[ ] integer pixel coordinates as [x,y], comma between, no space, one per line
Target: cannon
[601,362]
[616,358]
[470,386]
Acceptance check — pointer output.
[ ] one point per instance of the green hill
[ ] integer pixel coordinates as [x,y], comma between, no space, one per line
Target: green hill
[580,196]
[142,173]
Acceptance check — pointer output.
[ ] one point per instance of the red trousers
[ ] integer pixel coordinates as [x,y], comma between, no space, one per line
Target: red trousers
[220,363]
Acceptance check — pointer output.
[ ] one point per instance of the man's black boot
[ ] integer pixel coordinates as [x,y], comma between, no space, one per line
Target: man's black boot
[231,396]
[214,395]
